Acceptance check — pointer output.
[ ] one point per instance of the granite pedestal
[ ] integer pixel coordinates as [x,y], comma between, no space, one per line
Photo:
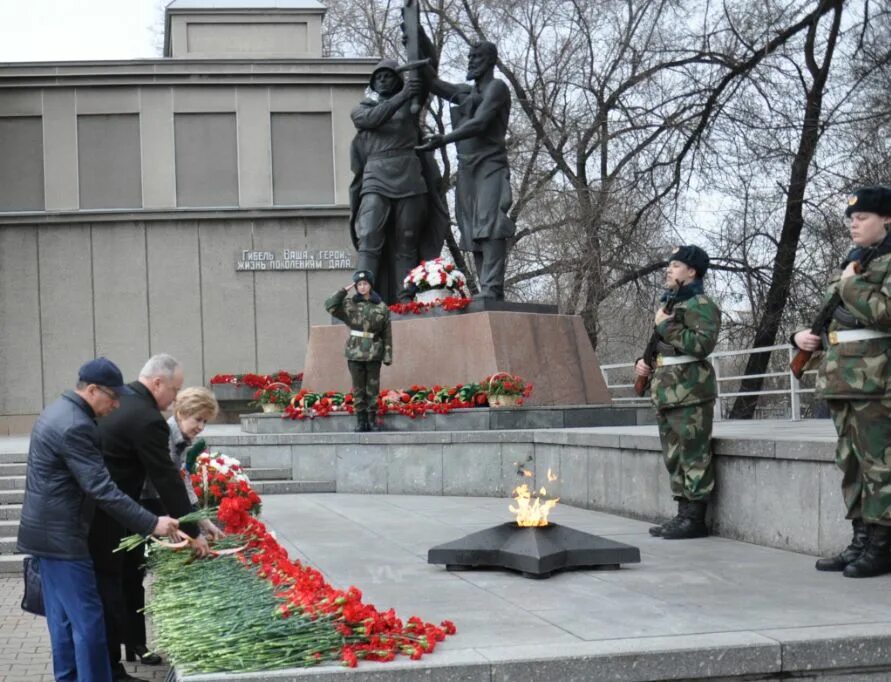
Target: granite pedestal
[551,351]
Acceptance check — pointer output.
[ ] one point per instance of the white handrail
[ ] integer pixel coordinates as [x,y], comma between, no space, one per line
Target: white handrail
[794,391]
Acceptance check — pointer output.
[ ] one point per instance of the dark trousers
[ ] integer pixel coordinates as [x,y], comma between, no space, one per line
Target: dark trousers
[105,535]
[409,215]
[490,262]
[75,621]
[366,378]
[132,577]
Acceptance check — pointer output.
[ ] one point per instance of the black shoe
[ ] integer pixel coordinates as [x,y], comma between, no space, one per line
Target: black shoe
[656,531]
[690,525]
[876,559]
[119,672]
[140,652]
[371,420]
[361,423]
[849,554]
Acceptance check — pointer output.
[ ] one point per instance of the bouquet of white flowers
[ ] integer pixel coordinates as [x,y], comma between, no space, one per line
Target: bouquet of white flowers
[437,274]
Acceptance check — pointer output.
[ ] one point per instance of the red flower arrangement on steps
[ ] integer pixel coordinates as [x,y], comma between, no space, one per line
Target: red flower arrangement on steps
[373,635]
[268,612]
[257,380]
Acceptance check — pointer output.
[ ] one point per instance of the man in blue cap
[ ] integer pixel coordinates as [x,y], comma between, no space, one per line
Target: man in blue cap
[66,478]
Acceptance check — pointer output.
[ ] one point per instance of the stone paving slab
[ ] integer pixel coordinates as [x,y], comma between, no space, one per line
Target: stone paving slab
[708,608]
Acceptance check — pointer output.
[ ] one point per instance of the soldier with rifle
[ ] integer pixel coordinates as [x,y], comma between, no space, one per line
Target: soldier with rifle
[684,389]
[854,376]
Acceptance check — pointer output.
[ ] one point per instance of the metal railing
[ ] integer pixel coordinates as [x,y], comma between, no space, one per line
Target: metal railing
[793,391]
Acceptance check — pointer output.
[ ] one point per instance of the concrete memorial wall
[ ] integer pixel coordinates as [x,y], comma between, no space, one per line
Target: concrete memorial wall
[195,204]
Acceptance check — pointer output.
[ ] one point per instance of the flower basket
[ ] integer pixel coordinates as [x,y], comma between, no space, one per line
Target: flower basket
[506,390]
[273,397]
[504,400]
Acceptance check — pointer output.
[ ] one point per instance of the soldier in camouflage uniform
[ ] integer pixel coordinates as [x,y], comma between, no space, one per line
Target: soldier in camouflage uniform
[854,377]
[370,342]
[683,389]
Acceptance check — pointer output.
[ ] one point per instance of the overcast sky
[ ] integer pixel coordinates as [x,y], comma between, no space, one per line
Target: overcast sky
[61,30]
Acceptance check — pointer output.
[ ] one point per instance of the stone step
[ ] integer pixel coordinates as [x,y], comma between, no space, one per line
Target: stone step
[13,457]
[11,497]
[269,474]
[12,482]
[11,563]
[7,545]
[9,512]
[17,469]
[291,487]
[9,528]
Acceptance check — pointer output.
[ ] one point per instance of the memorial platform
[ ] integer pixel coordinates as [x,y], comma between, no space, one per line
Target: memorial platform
[698,609]
[777,484]
[713,608]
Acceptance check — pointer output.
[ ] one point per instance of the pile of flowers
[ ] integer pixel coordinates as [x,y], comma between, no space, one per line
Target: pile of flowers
[258,610]
[217,477]
[258,380]
[450,305]
[437,274]
[305,404]
[413,402]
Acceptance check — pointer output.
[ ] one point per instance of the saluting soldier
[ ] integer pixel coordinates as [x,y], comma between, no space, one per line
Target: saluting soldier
[854,377]
[683,389]
[370,342]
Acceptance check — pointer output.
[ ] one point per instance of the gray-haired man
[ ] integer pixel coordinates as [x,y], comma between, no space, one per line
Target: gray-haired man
[135,447]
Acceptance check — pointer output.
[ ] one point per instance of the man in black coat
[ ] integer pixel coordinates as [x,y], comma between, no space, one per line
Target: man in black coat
[65,480]
[135,447]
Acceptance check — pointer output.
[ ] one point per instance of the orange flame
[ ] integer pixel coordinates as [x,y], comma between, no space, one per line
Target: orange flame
[532,509]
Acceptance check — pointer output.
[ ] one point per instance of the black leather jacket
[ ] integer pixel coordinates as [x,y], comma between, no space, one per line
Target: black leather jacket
[66,479]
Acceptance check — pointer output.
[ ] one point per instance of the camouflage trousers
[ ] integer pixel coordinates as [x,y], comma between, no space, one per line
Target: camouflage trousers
[366,385]
[864,456]
[685,433]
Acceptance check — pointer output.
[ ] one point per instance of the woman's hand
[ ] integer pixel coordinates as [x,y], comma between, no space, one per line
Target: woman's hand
[210,529]
[351,285]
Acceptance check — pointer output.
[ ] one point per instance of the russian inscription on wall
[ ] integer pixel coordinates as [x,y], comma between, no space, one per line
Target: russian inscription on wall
[290,259]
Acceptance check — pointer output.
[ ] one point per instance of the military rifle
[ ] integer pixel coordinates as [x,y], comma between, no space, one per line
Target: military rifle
[801,358]
[649,356]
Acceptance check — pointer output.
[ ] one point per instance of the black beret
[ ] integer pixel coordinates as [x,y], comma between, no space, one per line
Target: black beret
[693,256]
[874,199]
[366,275]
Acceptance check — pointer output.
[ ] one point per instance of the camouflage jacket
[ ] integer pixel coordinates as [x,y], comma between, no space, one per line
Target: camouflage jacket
[692,331]
[860,369]
[370,316]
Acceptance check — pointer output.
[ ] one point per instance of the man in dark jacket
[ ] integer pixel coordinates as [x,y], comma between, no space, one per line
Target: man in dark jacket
[65,479]
[135,447]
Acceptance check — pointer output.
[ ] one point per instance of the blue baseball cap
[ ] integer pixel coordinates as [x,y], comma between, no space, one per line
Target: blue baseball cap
[103,372]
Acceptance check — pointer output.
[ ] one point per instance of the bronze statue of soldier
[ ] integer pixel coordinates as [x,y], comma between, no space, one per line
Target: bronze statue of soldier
[398,216]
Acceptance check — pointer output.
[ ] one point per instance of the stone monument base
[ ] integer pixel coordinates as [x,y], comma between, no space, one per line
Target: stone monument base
[551,351]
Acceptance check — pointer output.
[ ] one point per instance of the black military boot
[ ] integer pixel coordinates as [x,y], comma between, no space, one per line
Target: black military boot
[876,559]
[656,531]
[361,422]
[850,553]
[690,525]
[372,421]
